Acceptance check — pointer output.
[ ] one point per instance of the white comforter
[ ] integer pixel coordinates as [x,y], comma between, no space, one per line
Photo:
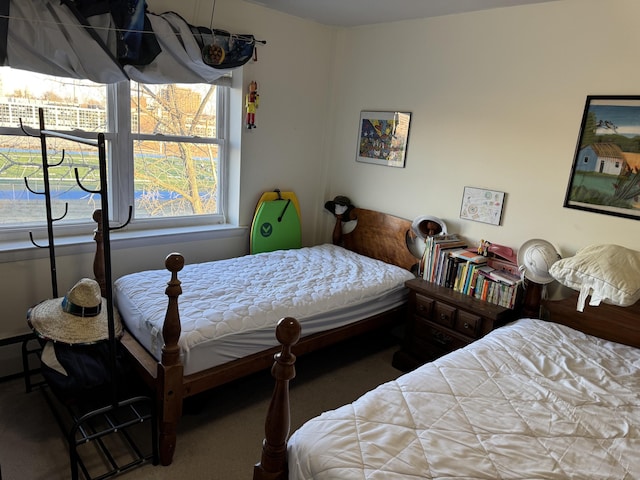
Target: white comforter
[531,400]
[255,291]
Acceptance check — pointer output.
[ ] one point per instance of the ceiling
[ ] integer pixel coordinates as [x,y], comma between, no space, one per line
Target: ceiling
[351,13]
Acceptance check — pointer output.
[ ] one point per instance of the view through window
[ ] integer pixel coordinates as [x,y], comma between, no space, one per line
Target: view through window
[164,148]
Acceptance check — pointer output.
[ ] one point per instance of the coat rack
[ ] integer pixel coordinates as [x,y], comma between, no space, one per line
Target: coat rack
[47,198]
[95,424]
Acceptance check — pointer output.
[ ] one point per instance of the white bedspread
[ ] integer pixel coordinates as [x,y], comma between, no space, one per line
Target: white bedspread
[531,400]
[253,292]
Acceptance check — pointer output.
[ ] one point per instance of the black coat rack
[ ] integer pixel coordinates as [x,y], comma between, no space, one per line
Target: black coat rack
[110,419]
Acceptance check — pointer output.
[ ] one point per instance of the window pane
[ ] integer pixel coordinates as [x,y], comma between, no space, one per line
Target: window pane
[22,187]
[175,179]
[173,153]
[179,110]
[68,104]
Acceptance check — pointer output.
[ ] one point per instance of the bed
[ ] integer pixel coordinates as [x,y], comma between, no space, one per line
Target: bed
[556,398]
[223,328]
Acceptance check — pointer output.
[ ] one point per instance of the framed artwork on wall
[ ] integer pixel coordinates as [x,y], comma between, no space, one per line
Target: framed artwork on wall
[605,174]
[482,205]
[383,138]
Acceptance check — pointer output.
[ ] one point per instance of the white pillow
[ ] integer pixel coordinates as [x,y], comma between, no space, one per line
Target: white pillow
[609,273]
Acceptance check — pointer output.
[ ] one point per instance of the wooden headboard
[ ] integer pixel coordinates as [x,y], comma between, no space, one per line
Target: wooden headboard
[378,235]
[619,324]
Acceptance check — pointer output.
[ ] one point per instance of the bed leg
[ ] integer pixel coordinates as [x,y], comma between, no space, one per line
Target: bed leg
[273,462]
[169,389]
[169,410]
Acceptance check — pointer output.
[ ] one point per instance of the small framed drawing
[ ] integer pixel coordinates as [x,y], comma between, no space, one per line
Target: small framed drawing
[383,138]
[605,175]
[482,205]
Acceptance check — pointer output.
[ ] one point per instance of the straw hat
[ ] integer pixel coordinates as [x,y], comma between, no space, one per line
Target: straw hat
[79,317]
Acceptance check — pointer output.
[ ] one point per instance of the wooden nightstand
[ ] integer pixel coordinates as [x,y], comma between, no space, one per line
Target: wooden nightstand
[441,320]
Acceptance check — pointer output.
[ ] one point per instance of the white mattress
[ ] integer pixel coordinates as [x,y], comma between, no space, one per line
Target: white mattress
[530,400]
[229,308]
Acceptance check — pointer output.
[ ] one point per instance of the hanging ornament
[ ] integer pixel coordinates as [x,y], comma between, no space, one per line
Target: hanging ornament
[213,54]
[251,103]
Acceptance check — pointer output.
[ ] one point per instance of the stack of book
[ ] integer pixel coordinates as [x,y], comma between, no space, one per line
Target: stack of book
[435,261]
[498,286]
[449,263]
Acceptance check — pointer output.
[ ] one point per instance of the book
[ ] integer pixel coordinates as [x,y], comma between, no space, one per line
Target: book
[452,270]
[460,273]
[485,270]
[474,280]
[499,264]
[432,260]
[505,277]
[471,268]
[479,285]
[470,256]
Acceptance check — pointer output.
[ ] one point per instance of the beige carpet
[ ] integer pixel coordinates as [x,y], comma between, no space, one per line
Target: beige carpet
[221,434]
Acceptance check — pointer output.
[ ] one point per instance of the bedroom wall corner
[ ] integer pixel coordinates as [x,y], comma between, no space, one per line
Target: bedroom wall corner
[497,98]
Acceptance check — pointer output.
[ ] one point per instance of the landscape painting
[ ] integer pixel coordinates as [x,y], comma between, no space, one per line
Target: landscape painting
[605,175]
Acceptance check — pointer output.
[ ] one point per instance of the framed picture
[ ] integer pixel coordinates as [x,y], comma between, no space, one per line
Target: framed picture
[383,138]
[605,175]
[482,205]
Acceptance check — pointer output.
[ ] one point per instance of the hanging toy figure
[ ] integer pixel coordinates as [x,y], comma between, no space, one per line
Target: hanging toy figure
[252,101]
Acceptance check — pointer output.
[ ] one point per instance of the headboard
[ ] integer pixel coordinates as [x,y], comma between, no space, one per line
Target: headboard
[378,235]
[619,324]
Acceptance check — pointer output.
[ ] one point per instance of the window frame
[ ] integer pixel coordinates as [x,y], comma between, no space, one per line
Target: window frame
[120,140]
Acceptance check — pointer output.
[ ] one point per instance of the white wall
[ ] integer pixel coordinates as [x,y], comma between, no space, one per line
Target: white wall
[293,73]
[497,99]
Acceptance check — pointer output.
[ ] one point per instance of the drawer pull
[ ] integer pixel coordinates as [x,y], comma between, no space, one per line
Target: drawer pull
[444,316]
[441,338]
[466,325]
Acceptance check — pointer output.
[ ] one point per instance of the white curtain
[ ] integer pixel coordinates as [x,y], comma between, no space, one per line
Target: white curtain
[47,37]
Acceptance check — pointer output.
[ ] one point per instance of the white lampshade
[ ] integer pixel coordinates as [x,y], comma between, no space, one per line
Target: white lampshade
[535,258]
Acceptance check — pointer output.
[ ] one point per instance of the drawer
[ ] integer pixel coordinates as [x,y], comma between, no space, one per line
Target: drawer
[426,331]
[448,342]
[424,350]
[444,314]
[468,324]
[424,306]
[421,328]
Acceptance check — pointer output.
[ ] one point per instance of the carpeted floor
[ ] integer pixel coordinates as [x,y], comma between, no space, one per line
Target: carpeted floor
[220,434]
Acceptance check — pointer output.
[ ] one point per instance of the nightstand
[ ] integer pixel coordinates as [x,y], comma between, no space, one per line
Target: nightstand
[441,320]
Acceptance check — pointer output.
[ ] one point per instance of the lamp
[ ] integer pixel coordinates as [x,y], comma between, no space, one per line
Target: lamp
[535,258]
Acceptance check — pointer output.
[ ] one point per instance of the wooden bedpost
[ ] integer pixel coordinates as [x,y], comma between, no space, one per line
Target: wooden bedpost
[336,236]
[273,462]
[169,389]
[98,259]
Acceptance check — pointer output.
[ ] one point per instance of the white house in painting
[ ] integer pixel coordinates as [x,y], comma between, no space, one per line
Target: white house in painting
[602,158]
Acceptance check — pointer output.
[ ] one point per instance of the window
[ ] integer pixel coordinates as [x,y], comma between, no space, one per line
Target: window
[165,150]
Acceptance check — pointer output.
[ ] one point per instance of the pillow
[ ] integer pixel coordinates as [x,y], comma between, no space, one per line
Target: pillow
[609,273]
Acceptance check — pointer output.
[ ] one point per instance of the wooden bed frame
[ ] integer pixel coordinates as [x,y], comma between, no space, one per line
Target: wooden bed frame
[618,324]
[376,235]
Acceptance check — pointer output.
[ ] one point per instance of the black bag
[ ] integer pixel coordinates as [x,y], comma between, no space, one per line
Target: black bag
[221,49]
[136,42]
[87,371]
